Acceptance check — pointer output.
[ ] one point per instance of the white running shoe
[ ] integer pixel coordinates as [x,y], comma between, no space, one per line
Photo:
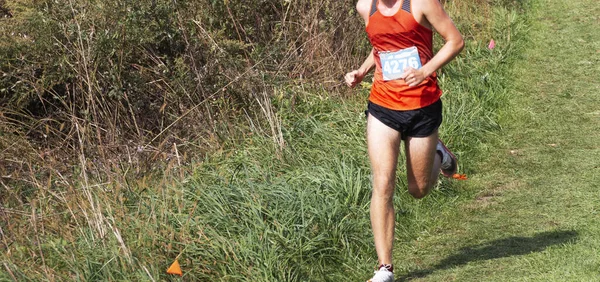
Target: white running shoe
[449,163]
[382,275]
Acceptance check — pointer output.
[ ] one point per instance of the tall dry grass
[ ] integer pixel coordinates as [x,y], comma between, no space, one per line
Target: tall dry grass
[132,87]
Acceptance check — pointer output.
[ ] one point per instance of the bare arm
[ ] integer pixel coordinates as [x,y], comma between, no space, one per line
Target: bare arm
[367,65]
[435,15]
[356,76]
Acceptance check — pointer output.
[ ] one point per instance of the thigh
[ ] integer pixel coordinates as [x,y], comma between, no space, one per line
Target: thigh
[420,155]
[383,144]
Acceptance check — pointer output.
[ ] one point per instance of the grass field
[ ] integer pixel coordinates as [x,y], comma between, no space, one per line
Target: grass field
[288,201]
[536,217]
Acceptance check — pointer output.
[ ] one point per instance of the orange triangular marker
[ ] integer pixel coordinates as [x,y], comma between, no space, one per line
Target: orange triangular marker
[459,176]
[175,269]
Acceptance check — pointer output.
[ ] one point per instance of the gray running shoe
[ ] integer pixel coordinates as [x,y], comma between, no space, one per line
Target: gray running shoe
[449,162]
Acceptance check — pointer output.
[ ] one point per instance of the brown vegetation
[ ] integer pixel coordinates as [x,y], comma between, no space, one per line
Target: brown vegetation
[116,85]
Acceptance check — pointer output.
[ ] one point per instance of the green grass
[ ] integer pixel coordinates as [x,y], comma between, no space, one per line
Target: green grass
[258,209]
[536,217]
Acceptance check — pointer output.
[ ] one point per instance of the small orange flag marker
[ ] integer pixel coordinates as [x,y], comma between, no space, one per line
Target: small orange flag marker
[175,269]
[459,176]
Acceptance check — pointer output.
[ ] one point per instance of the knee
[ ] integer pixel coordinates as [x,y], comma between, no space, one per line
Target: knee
[383,187]
[419,190]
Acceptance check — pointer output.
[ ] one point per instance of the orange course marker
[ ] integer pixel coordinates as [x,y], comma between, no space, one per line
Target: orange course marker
[175,269]
[459,176]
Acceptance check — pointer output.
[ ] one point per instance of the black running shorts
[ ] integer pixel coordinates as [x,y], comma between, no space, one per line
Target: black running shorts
[412,123]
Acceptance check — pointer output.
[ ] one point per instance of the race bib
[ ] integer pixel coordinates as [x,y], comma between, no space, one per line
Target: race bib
[394,63]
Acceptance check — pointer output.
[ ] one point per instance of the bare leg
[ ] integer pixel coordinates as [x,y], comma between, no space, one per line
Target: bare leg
[383,144]
[422,164]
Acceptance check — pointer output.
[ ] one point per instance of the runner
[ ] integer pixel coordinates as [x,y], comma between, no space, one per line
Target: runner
[404,104]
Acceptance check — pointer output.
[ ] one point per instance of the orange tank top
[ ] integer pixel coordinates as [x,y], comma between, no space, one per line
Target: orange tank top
[394,33]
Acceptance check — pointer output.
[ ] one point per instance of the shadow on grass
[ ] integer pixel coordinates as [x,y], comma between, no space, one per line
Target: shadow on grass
[507,247]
